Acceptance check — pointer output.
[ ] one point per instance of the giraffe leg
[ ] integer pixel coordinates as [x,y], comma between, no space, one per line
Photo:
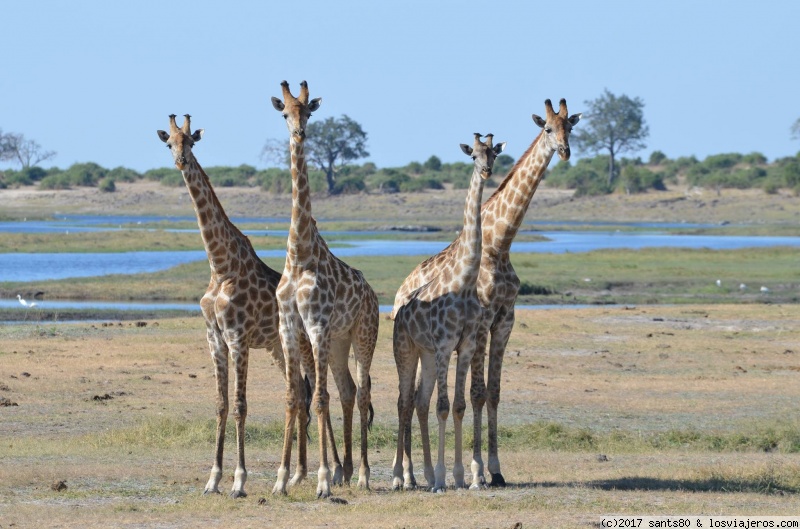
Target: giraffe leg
[366,336]
[219,355]
[239,358]
[460,405]
[304,412]
[478,400]
[497,348]
[303,416]
[425,382]
[403,471]
[442,412]
[319,335]
[289,330]
[340,350]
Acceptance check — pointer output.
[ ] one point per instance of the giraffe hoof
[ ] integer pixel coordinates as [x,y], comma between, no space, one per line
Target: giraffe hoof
[238,494]
[497,480]
[211,491]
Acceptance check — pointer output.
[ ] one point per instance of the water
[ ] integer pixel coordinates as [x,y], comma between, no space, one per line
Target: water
[44,266]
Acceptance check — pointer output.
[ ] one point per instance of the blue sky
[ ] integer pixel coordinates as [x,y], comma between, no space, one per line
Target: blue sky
[93,80]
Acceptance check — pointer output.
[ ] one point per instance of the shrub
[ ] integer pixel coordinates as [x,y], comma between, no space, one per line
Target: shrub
[123,174]
[433,164]
[348,185]
[55,181]
[107,185]
[656,158]
[85,174]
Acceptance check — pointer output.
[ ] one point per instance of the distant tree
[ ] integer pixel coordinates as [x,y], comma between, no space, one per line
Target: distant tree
[433,164]
[615,124]
[27,153]
[657,158]
[276,153]
[795,129]
[334,142]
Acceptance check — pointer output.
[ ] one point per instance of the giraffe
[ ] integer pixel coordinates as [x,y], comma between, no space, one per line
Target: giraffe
[498,284]
[325,301]
[239,307]
[438,318]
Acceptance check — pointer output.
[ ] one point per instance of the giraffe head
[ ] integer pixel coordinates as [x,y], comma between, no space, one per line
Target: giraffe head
[296,110]
[557,127]
[484,154]
[180,140]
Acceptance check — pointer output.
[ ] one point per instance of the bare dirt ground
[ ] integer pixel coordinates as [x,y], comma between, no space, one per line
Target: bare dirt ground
[678,204]
[78,399]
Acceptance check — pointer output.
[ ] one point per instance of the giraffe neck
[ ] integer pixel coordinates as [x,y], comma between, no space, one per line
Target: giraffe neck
[216,229]
[299,243]
[468,257]
[505,210]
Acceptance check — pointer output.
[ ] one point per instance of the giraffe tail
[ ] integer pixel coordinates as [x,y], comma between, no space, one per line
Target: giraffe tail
[371,409]
[309,393]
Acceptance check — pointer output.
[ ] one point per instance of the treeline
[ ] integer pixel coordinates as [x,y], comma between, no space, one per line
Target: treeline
[587,176]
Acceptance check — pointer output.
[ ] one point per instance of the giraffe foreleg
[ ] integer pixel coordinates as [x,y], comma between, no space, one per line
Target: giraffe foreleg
[463,360]
[289,330]
[219,355]
[319,335]
[442,413]
[365,338]
[497,348]
[239,359]
[425,383]
[478,400]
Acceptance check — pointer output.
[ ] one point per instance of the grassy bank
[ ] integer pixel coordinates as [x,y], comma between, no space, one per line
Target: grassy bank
[658,275]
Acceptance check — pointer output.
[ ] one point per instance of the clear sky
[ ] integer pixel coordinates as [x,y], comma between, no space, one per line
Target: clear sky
[94,79]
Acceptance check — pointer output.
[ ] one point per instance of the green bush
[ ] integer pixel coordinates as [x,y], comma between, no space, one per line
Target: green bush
[107,185]
[348,185]
[85,174]
[123,174]
[55,181]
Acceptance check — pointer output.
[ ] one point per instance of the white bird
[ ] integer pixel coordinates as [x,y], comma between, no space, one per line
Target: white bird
[719,282]
[742,286]
[25,303]
[764,289]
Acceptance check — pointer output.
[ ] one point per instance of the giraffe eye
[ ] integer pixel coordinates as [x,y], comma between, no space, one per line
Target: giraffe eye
[169,146]
[286,116]
[548,130]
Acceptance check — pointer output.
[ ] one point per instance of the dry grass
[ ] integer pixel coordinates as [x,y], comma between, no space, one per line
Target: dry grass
[694,409]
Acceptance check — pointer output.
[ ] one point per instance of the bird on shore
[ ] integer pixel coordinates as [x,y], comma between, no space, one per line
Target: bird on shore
[25,303]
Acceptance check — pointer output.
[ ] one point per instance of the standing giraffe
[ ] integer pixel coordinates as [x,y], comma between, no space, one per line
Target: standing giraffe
[322,299]
[239,306]
[498,284]
[438,318]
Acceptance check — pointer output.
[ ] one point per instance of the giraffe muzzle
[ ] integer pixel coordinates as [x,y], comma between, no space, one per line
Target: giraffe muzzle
[563,153]
[300,133]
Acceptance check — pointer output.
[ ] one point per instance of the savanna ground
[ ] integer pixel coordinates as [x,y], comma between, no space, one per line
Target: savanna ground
[685,408]
[608,410]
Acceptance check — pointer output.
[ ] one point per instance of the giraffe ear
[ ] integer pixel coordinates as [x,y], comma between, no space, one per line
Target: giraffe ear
[314,104]
[163,135]
[198,135]
[467,149]
[538,120]
[499,148]
[278,104]
[574,119]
